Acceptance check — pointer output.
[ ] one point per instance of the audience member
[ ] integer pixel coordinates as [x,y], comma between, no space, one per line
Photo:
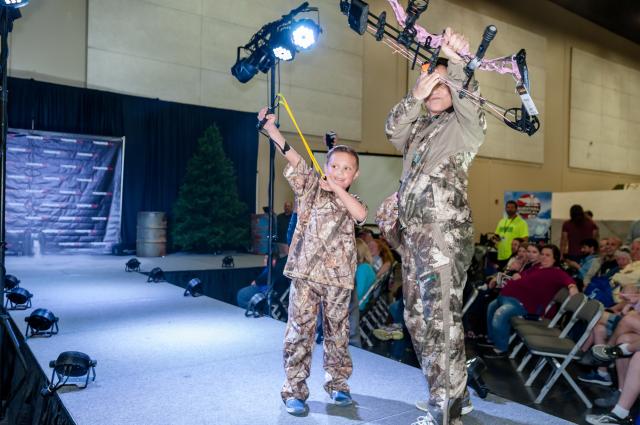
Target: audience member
[605,265]
[365,275]
[282,222]
[578,228]
[589,254]
[634,232]
[524,294]
[260,284]
[510,227]
[382,256]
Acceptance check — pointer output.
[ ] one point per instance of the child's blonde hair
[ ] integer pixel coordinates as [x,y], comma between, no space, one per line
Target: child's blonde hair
[363,253]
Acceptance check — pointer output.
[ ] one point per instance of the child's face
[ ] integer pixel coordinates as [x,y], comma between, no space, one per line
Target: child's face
[343,168]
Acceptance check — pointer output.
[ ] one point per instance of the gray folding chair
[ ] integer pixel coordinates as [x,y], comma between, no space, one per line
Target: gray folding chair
[560,351]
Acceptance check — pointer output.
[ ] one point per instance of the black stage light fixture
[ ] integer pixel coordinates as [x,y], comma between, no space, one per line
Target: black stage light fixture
[227,262]
[156,275]
[69,367]
[304,33]
[282,45]
[358,14]
[18,299]
[41,322]
[133,265]
[14,3]
[194,288]
[10,282]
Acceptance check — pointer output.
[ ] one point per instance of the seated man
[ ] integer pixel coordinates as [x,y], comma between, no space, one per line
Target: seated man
[589,251]
[260,284]
[605,265]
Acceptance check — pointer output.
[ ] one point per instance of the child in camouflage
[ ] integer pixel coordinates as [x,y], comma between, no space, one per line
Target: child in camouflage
[321,264]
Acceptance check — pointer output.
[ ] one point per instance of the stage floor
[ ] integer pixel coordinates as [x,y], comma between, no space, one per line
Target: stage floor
[168,359]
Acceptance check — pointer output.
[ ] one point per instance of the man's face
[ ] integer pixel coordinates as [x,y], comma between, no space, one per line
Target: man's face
[343,168]
[587,250]
[440,98]
[288,207]
[511,209]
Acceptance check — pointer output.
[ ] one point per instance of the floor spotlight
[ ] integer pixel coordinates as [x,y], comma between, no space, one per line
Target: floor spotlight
[41,322]
[70,368]
[14,3]
[133,265]
[227,262]
[194,288]
[10,282]
[156,275]
[304,33]
[18,299]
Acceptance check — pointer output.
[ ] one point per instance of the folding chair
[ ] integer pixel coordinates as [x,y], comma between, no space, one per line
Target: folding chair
[561,299]
[572,306]
[368,319]
[558,352]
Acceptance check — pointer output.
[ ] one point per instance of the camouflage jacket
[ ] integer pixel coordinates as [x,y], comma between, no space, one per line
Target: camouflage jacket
[438,151]
[323,247]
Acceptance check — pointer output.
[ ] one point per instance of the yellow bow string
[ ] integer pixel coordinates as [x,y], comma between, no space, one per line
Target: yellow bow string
[304,141]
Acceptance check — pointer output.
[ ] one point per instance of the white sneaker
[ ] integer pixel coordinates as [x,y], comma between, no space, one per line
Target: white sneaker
[467,406]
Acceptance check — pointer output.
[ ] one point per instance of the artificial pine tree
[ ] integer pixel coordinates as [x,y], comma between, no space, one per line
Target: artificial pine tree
[208,215]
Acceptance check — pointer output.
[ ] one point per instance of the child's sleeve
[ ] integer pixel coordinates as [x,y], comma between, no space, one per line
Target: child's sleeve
[301,177]
[364,220]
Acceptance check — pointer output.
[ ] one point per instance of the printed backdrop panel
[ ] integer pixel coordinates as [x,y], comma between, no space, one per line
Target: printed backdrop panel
[63,193]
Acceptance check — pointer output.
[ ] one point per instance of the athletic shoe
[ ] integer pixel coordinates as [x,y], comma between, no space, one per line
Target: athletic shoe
[606,353]
[608,418]
[608,401]
[594,377]
[388,332]
[295,406]
[467,406]
[341,398]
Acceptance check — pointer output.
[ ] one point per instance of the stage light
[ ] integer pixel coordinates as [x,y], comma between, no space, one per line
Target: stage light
[282,46]
[10,282]
[304,33]
[15,3]
[194,288]
[156,275]
[244,70]
[227,262]
[41,322]
[18,299]
[70,365]
[133,265]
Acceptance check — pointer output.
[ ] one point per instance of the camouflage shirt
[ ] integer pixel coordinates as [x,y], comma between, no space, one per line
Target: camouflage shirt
[438,151]
[323,247]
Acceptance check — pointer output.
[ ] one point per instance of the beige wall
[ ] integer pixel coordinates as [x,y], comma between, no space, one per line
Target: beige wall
[50,43]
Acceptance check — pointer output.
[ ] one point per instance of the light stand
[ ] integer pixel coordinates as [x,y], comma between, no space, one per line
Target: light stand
[265,50]
[7,16]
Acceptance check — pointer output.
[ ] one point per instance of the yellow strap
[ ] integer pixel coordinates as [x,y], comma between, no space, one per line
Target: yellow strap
[306,145]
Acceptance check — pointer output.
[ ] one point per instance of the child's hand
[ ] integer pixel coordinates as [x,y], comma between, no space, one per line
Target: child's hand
[270,125]
[328,184]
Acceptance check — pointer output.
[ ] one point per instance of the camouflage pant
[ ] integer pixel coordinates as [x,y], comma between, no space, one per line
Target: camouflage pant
[434,273]
[304,300]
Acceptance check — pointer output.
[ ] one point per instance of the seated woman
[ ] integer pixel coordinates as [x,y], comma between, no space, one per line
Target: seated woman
[382,256]
[533,257]
[365,276]
[529,292]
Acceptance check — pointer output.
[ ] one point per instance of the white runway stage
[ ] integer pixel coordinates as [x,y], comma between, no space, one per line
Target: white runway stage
[168,359]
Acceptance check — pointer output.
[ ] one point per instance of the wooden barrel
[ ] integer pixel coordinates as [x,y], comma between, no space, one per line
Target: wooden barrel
[151,238]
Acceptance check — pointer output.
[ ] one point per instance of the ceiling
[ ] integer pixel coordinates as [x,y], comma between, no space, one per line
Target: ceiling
[618,16]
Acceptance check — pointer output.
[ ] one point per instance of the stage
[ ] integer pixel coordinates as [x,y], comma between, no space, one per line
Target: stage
[168,359]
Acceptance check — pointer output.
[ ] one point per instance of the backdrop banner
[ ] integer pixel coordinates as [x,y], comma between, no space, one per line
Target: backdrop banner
[535,208]
[63,193]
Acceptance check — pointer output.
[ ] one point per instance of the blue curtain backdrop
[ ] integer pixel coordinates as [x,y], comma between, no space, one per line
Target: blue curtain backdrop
[160,138]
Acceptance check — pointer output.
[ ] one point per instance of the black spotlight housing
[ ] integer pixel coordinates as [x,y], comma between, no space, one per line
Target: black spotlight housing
[70,365]
[227,262]
[194,288]
[18,299]
[41,322]
[10,282]
[156,275]
[133,265]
